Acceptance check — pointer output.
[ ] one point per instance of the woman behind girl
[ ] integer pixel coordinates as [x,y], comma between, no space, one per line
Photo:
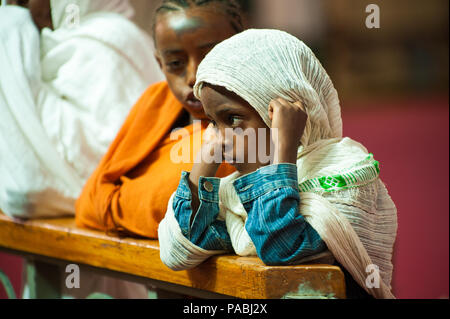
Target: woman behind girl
[319,191]
[130,188]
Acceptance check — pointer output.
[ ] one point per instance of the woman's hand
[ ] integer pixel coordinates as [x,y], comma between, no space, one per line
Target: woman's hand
[289,120]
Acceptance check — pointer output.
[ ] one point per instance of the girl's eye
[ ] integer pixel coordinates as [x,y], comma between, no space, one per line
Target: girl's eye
[174,65]
[235,120]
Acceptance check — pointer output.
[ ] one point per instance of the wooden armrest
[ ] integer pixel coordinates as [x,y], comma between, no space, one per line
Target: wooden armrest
[242,277]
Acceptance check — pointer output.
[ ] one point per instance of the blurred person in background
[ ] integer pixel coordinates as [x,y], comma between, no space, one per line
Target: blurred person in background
[129,190]
[70,72]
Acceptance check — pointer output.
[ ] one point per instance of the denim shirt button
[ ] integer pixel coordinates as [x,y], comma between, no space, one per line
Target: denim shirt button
[208,186]
[246,188]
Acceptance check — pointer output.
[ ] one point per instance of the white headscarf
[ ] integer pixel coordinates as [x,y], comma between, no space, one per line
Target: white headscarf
[342,196]
[61,9]
[261,65]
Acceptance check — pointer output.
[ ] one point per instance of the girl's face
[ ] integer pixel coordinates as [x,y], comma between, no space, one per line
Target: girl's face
[248,148]
[182,39]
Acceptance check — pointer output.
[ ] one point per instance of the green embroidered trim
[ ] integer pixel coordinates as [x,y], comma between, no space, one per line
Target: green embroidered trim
[357,175]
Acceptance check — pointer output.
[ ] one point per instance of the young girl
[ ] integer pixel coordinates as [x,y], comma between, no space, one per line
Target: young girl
[131,186]
[320,191]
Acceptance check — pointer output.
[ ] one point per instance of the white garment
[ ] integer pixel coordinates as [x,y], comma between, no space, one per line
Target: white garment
[62,10]
[63,96]
[342,196]
[61,109]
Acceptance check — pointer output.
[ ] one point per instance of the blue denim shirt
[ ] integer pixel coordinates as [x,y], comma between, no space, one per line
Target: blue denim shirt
[271,198]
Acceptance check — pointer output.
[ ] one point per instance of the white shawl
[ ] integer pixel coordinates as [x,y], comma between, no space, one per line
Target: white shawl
[64,94]
[341,196]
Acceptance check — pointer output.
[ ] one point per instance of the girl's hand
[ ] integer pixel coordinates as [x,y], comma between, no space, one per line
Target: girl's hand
[289,119]
[210,156]
[206,163]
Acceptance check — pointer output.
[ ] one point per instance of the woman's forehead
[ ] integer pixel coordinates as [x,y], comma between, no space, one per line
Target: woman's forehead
[181,23]
[178,23]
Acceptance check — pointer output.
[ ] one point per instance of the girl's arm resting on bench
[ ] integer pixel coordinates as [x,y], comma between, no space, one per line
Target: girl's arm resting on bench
[270,195]
[279,232]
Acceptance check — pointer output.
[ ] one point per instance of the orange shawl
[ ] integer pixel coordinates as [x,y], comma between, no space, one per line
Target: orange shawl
[131,187]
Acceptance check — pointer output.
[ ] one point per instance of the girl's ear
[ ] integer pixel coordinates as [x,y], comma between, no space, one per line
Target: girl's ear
[271,112]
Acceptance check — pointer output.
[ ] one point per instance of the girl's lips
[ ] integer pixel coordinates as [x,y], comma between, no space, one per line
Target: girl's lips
[195,104]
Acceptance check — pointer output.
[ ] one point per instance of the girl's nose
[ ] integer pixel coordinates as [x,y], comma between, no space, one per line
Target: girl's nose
[191,73]
[226,140]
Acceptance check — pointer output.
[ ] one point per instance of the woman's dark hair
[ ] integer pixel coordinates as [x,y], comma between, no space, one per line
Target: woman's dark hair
[237,10]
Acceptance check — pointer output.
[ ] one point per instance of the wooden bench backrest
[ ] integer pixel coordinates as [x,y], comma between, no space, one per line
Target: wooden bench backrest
[231,275]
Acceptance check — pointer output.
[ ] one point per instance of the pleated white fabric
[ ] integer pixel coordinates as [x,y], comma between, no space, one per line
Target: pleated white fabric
[263,65]
[342,196]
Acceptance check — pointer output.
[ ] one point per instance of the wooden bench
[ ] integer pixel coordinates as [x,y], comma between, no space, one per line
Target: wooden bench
[53,242]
